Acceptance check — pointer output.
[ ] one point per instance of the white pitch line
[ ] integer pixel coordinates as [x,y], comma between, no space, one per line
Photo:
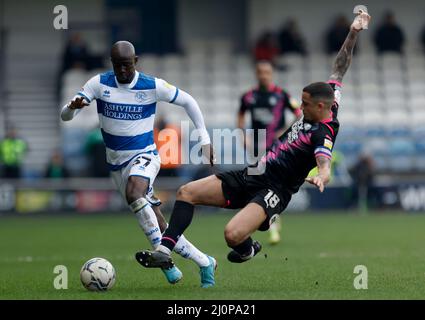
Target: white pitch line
[29,259]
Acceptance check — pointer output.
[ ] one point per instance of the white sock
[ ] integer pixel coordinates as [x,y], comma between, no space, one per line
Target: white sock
[188,251]
[147,221]
[163,249]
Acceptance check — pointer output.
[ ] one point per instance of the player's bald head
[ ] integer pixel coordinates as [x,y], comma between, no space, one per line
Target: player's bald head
[124,60]
[122,50]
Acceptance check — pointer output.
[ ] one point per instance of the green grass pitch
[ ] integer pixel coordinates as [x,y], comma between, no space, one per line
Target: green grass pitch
[315,259]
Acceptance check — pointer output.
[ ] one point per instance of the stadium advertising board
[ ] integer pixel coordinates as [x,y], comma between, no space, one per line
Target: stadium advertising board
[406,197]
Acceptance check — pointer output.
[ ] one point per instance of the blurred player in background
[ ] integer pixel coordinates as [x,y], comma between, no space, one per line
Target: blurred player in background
[309,142]
[12,153]
[266,104]
[126,102]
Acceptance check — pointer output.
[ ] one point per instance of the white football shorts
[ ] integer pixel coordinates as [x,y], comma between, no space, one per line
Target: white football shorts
[145,165]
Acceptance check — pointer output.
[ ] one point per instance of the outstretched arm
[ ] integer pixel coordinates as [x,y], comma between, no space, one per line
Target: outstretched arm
[171,94]
[186,101]
[345,54]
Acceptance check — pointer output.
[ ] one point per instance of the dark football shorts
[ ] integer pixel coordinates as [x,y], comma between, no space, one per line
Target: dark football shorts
[238,192]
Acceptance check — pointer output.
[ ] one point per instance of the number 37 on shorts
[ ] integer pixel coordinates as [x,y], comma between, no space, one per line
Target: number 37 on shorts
[146,165]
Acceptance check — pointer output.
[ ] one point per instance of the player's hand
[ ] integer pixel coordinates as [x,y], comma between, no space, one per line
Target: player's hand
[361,21]
[316,181]
[209,153]
[78,103]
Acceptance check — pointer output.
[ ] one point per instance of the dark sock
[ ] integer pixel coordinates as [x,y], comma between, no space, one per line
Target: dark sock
[180,219]
[244,248]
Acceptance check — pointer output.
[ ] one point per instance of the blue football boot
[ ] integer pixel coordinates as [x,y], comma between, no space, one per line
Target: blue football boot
[173,274]
[207,273]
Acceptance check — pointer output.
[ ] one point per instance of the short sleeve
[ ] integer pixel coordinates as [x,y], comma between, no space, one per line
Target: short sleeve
[323,142]
[165,91]
[90,90]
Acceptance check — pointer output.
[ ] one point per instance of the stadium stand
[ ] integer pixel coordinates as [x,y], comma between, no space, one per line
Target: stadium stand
[30,100]
[383,95]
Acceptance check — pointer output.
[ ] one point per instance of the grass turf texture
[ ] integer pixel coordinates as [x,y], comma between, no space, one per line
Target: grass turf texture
[315,259]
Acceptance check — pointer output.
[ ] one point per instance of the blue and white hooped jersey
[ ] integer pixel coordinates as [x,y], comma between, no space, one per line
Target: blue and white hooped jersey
[126,113]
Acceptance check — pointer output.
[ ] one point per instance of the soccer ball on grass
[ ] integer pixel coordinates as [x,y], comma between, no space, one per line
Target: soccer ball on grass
[97,274]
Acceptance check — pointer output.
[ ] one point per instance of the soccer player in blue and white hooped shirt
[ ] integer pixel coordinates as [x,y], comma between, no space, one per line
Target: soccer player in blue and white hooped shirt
[126,102]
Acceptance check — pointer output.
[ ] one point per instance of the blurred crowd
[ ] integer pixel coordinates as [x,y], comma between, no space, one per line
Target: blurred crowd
[388,37]
[77,55]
